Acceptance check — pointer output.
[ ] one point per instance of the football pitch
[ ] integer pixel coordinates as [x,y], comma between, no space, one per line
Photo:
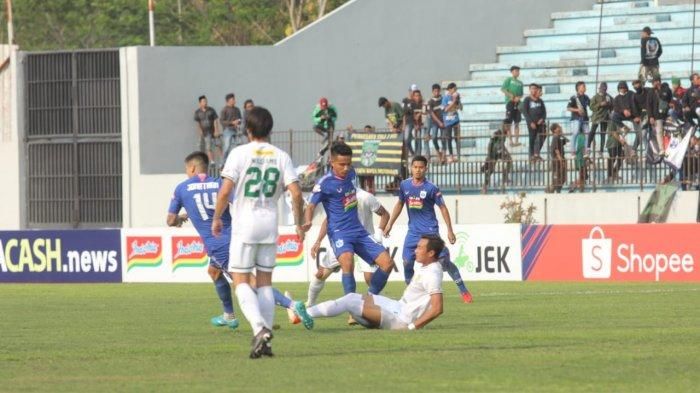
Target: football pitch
[514,337]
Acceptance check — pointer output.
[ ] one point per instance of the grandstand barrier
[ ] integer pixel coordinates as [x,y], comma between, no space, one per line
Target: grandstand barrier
[497,252]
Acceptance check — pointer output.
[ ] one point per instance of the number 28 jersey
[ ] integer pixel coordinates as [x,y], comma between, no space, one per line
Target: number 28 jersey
[261,172]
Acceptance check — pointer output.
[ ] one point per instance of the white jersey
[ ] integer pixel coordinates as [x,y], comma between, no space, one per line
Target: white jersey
[427,281]
[367,206]
[261,172]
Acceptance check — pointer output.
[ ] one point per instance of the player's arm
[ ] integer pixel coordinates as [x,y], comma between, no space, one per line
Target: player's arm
[321,234]
[174,220]
[297,207]
[448,222]
[384,217]
[309,216]
[398,207]
[222,199]
[431,313]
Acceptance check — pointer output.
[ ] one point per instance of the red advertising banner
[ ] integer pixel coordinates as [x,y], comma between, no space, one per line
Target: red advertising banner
[639,252]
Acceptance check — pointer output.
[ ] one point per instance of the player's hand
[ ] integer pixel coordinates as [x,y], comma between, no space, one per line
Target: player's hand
[451,237]
[305,227]
[181,219]
[315,249]
[387,231]
[301,233]
[216,226]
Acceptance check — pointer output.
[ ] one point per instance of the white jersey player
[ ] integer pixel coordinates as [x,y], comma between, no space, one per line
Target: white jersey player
[420,304]
[257,173]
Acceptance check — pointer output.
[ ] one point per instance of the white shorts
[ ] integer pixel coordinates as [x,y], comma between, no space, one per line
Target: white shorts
[246,257]
[391,309]
[330,261]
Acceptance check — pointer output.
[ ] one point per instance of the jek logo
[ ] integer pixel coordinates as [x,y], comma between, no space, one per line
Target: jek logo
[601,260]
[461,259]
[290,250]
[188,252]
[143,251]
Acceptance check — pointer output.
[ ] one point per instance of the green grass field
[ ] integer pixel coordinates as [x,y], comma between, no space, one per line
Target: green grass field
[515,337]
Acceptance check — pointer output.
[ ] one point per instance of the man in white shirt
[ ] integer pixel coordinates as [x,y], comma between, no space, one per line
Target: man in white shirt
[420,304]
[257,174]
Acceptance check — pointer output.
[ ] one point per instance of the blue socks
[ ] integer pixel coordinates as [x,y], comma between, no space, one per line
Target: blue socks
[349,285]
[223,289]
[453,271]
[408,271]
[378,281]
[281,300]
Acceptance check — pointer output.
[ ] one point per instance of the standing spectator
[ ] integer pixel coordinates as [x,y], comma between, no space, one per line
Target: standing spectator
[512,88]
[651,51]
[435,124]
[496,151]
[601,107]
[230,122]
[207,127]
[451,103]
[419,110]
[580,162]
[676,103]
[535,114]
[641,96]
[367,181]
[578,106]
[324,117]
[408,124]
[558,157]
[691,100]
[616,153]
[248,105]
[393,114]
[625,109]
[658,102]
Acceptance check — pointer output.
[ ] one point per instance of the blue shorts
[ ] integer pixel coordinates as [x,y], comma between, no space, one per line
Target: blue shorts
[218,257]
[409,249]
[360,244]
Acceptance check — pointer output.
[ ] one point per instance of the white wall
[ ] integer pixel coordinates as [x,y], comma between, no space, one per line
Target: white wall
[10,207]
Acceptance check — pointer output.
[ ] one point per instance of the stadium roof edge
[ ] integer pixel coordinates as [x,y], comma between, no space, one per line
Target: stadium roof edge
[324,17]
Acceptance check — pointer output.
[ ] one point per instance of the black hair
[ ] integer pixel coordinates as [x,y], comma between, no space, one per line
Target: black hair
[341,149]
[248,101]
[535,85]
[513,68]
[201,98]
[435,244]
[382,101]
[579,83]
[452,85]
[420,159]
[229,96]
[198,158]
[259,122]
[436,86]
[554,126]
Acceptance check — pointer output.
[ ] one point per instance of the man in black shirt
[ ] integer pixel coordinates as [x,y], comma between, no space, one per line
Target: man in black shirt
[641,97]
[230,121]
[625,109]
[435,124]
[651,51]
[207,127]
[578,106]
[535,114]
[407,107]
[691,100]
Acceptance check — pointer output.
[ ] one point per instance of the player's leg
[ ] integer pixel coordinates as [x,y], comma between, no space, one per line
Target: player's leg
[453,271]
[374,253]
[347,265]
[328,264]
[350,303]
[223,290]
[409,256]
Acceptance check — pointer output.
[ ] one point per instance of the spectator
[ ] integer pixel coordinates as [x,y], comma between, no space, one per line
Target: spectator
[324,117]
[580,162]
[408,124]
[651,51]
[558,157]
[451,103]
[512,88]
[230,122]
[691,166]
[658,102]
[691,100]
[248,105]
[578,106]
[601,107]
[435,124]
[676,110]
[419,110]
[496,151]
[207,127]
[641,96]
[535,114]
[367,181]
[393,114]
[625,109]
[616,141]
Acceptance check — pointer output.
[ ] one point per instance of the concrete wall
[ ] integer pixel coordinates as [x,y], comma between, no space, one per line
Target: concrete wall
[10,174]
[363,50]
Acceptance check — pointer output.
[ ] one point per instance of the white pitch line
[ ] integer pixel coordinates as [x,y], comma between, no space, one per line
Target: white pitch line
[585,293]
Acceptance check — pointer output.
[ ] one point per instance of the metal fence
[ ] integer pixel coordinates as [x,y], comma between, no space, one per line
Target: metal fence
[73,139]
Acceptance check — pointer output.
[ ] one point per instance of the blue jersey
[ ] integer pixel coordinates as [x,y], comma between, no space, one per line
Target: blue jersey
[198,196]
[340,202]
[420,200]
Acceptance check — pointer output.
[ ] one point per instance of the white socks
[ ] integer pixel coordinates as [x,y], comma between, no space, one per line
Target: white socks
[266,302]
[352,303]
[314,290]
[248,301]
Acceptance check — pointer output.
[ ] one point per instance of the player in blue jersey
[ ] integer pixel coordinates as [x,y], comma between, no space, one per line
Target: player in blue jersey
[346,234]
[420,197]
[197,196]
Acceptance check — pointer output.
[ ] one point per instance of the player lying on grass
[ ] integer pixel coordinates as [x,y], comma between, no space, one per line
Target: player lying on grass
[196,195]
[420,304]
[345,231]
[420,197]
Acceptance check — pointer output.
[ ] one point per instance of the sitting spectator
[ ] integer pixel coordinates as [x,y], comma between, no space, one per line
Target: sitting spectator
[578,106]
[651,51]
[324,117]
[451,103]
[676,110]
[658,103]
[230,122]
[496,151]
[558,157]
[625,109]
[512,88]
[535,114]
[207,128]
[408,119]
[601,107]
[435,124]
[393,114]
[691,100]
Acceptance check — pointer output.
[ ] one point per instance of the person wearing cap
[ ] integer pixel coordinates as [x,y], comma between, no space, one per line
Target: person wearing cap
[512,89]
[651,51]
[624,109]
[658,103]
[393,113]
[601,107]
[324,118]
